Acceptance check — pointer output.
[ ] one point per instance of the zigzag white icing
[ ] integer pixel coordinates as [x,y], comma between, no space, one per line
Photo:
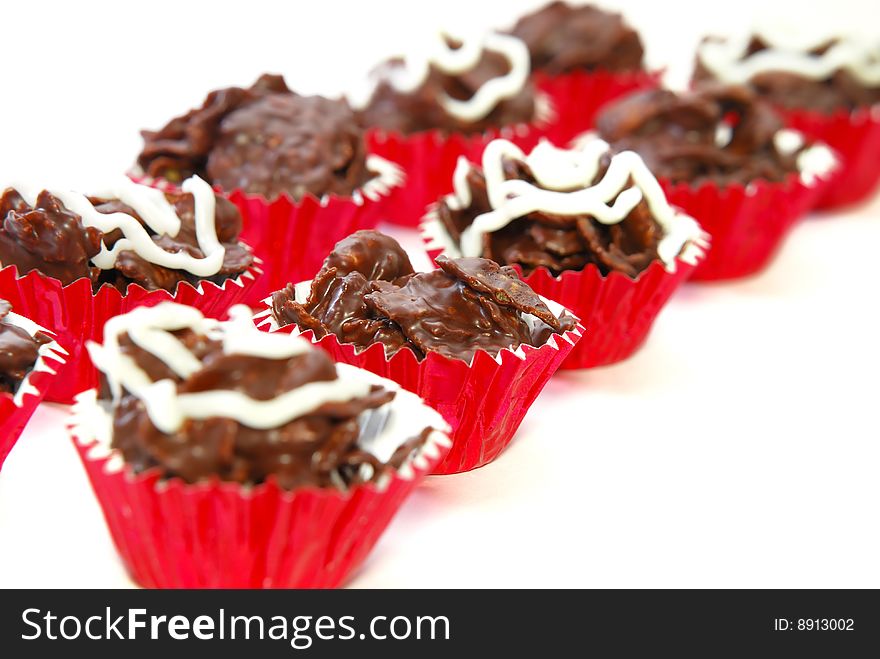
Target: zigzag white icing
[455,61]
[729,60]
[155,210]
[49,350]
[565,187]
[383,430]
[150,328]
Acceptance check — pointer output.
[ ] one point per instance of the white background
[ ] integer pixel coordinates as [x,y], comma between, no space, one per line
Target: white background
[739,448]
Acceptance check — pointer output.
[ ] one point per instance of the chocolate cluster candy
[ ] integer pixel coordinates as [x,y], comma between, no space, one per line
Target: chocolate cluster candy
[42,233]
[367,292]
[238,404]
[562,210]
[544,238]
[723,133]
[563,38]
[47,237]
[264,140]
[435,92]
[19,351]
[835,74]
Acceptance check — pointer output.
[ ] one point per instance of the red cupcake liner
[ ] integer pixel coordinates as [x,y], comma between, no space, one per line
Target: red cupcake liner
[484,402]
[579,96]
[17,409]
[217,534]
[748,223]
[429,159]
[77,315]
[291,237]
[617,311]
[856,138]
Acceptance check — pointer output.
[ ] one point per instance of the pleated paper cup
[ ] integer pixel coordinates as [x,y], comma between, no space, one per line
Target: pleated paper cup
[291,237]
[215,534]
[77,315]
[855,136]
[748,223]
[16,409]
[579,96]
[484,401]
[617,311]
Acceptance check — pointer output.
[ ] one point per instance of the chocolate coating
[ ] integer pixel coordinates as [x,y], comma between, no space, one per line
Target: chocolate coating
[181,148]
[502,285]
[676,134]
[319,449]
[372,254]
[48,238]
[285,143]
[19,351]
[421,110]
[264,140]
[466,306]
[557,242]
[840,91]
[52,239]
[563,38]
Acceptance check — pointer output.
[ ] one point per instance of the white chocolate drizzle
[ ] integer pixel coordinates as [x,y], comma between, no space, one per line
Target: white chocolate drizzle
[455,61]
[150,329]
[50,350]
[565,187]
[813,162]
[387,177]
[383,430]
[730,61]
[155,210]
[723,134]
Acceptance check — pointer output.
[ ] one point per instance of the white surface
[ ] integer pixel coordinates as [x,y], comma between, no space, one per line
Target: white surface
[739,448]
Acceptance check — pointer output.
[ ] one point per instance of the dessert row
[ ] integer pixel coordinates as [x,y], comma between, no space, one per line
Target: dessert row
[562,194]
